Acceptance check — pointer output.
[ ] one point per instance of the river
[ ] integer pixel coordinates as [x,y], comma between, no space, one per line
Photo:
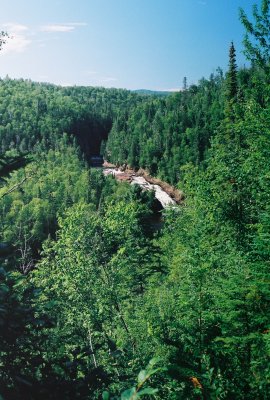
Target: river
[165,200]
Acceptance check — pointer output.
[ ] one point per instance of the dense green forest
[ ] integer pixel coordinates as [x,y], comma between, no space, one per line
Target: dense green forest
[94,304]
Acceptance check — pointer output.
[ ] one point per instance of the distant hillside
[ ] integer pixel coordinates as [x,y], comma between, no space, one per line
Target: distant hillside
[152,92]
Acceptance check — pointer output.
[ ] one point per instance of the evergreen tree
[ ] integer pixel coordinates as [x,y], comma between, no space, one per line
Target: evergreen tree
[232,75]
[231,84]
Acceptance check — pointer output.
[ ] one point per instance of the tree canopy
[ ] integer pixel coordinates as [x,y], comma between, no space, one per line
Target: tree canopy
[93,292]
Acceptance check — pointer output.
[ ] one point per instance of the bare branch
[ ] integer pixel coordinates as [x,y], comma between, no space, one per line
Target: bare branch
[15,186]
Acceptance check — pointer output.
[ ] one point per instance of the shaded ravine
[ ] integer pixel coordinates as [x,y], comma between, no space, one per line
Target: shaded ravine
[160,194]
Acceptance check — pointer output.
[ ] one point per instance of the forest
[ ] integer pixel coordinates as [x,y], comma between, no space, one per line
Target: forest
[94,303]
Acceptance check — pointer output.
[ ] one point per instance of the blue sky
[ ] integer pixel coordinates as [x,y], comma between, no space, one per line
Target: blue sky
[129,44]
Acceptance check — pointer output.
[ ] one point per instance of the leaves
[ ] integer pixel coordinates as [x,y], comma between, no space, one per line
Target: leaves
[130,394]
[99,296]
[105,395]
[137,391]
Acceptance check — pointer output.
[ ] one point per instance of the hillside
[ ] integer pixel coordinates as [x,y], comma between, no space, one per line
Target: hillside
[103,293]
[148,92]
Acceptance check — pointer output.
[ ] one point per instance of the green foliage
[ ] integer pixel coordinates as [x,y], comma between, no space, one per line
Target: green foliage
[88,292]
[163,134]
[140,390]
[231,84]
[232,74]
[34,196]
[256,41]
[33,116]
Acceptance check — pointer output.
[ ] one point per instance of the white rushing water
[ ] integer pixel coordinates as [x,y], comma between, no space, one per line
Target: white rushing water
[163,197]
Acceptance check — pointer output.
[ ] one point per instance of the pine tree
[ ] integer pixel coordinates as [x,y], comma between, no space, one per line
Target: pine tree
[232,86]
[185,86]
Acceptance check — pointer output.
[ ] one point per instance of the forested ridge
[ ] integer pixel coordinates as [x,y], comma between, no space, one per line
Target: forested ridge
[94,302]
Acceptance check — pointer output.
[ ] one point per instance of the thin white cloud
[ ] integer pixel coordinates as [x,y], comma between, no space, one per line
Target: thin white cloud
[14,27]
[18,39]
[67,27]
[57,28]
[16,44]
[21,36]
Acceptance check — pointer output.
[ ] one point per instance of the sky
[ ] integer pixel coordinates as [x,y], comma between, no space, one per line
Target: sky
[132,44]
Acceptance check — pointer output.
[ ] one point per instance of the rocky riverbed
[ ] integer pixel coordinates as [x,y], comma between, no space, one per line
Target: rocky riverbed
[166,199]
